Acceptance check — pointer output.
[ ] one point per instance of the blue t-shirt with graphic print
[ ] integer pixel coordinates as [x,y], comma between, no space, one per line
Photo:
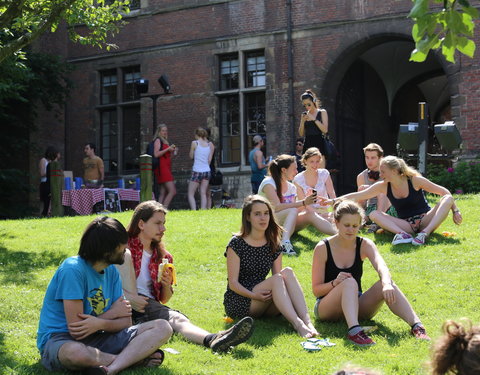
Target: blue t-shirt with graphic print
[75,279]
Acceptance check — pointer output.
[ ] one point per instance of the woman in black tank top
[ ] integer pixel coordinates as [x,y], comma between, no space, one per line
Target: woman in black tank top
[405,187]
[337,279]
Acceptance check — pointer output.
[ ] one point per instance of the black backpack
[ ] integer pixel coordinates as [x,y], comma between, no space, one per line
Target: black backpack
[150,148]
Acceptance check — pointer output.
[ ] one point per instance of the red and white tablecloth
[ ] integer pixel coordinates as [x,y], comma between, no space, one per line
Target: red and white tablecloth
[83,200]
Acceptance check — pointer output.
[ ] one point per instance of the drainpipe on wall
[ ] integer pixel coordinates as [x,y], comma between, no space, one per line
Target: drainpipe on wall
[291,119]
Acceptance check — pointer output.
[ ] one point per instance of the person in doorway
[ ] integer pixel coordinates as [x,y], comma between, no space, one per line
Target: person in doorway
[93,169]
[85,322]
[299,154]
[50,155]
[258,163]
[148,291]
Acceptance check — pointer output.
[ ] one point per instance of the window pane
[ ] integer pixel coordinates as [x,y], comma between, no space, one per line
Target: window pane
[130,76]
[255,117]
[229,72]
[109,140]
[255,69]
[131,138]
[109,87]
[230,130]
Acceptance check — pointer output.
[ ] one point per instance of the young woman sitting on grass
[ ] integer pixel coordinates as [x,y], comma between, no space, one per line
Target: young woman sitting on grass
[405,187]
[251,254]
[282,194]
[337,279]
[457,351]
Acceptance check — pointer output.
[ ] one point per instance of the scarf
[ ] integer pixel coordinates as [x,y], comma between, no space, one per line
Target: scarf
[136,248]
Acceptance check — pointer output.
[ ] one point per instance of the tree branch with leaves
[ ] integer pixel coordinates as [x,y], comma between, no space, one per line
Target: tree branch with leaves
[449,27]
[89,21]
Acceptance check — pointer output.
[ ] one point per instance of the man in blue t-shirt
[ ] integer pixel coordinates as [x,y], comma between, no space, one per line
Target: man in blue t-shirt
[257,163]
[85,322]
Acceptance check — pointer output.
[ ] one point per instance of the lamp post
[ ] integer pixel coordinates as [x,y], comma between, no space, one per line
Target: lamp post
[142,89]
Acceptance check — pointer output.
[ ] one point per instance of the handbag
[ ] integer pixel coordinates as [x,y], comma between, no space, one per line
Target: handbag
[216,178]
[332,156]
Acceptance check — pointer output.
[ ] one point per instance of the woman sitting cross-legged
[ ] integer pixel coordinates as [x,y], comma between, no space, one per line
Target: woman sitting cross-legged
[314,180]
[282,194]
[405,187]
[337,279]
[148,290]
[251,254]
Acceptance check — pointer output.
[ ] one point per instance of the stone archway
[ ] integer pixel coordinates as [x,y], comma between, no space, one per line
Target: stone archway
[373,88]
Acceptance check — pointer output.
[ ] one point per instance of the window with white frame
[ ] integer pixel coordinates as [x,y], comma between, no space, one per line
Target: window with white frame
[241,103]
[119,113]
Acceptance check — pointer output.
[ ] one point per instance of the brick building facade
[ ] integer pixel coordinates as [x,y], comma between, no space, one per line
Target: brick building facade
[238,67]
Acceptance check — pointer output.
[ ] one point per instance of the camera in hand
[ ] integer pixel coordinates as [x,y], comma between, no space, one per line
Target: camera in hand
[373,175]
[314,192]
[304,113]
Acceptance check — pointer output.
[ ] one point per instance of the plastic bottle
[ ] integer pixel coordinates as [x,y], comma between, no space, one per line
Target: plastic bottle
[166,265]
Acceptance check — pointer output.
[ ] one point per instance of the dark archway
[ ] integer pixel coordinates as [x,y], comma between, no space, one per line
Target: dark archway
[373,88]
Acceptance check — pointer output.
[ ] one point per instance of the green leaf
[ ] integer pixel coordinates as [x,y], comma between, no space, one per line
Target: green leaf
[471,11]
[464,3]
[466,46]
[419,9]
[417,56]
[448,48]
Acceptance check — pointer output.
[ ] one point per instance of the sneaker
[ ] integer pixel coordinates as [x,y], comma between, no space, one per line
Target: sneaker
[233,336]
[420,239]
[402,238]
[288,248]
[361,339]
[419,332]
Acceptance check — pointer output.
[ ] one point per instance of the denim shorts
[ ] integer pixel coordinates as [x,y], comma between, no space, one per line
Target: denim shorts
[107,342]
[199,176]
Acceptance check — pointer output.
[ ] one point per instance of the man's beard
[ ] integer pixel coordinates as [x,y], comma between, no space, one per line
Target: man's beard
[115,258]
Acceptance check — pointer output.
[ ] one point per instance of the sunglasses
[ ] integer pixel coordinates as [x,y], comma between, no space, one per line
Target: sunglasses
[299,144]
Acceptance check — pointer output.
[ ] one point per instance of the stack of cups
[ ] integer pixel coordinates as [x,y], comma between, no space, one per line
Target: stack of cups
[68,183]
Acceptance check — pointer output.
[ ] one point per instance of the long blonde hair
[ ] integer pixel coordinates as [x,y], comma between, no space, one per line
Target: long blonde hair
[157,133]
[399,165]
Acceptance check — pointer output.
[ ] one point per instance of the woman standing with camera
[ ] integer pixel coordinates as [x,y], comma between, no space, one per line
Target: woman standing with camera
[163,173]
[313,123]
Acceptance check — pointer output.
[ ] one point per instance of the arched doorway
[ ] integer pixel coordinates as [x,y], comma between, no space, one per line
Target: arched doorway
[373,89]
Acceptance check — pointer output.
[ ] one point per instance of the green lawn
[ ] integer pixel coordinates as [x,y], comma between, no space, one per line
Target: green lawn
[441,281]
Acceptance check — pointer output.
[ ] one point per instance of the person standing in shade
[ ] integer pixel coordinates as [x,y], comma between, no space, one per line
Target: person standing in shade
[85,322]
[201,151]
[257,163]
[313,123]
[50,155]
[93,170]
[299,154]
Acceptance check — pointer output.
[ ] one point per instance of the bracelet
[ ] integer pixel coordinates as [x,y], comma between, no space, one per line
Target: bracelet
[303,202]
[331,282]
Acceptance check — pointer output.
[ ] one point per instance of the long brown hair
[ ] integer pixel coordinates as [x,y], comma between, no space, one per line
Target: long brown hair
[458,350]
[275,170]
[144,211]
[309,94]
[311,152]
[273,233]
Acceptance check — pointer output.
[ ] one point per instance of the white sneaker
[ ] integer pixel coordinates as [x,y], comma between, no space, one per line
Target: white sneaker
[402,238]
[288,248]
[420,239]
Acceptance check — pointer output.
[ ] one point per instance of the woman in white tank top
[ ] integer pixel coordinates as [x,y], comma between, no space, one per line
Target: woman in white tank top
[201,151]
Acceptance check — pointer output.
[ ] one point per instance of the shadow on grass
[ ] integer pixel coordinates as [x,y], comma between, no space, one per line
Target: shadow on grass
[434,239]
[266,329]
[309,238]
[21,267]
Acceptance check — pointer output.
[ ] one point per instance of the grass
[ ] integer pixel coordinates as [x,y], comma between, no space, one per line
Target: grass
[440,279]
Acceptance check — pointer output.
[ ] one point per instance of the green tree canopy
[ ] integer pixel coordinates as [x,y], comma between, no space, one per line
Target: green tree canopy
[88,21]
[449,27]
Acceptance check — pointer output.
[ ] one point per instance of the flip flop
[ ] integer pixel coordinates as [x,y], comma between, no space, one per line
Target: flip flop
[146,361]
[310,346]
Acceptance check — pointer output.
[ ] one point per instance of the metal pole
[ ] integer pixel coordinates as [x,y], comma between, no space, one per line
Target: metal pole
[423,137]
[154,103]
